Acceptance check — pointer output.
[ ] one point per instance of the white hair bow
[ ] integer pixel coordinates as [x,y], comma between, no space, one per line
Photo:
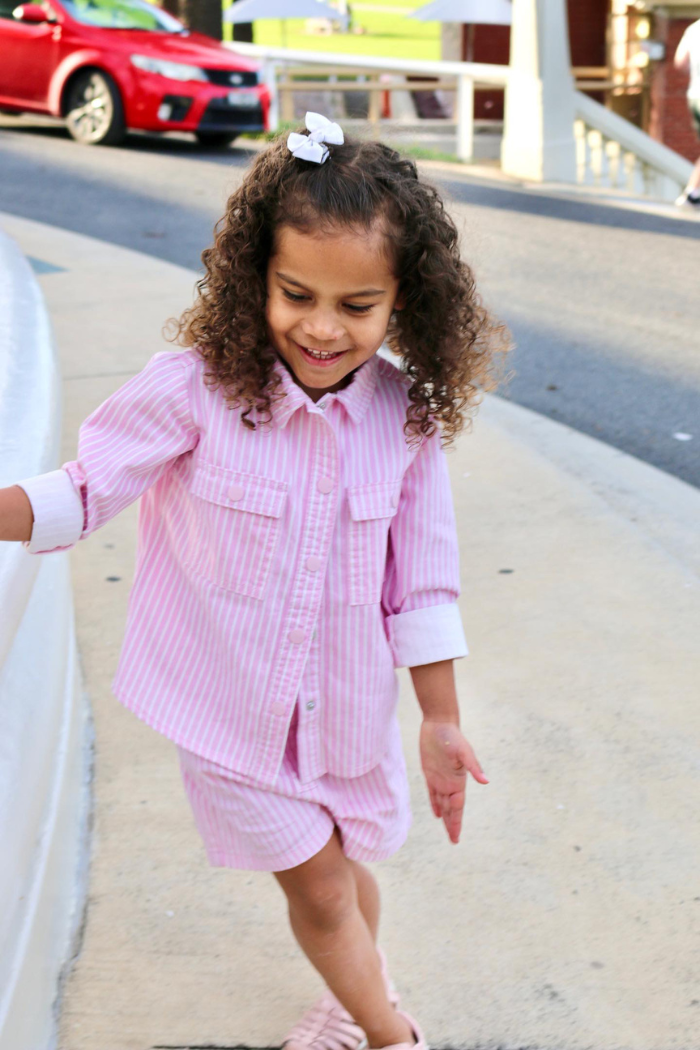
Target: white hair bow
[311,147]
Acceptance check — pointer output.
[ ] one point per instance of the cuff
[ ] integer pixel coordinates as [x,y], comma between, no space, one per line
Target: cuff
[57,509]
[424,636]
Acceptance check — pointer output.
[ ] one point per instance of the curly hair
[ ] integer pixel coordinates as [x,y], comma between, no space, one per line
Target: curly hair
[446,339]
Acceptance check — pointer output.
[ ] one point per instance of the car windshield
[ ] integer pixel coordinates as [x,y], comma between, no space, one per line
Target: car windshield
[123,14]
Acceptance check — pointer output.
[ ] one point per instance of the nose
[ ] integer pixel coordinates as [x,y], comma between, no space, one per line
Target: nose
[322,325]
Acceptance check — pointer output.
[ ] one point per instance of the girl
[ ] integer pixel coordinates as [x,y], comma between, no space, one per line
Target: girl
[297,540]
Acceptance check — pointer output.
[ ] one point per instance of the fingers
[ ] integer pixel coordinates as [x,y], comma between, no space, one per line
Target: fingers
[471,763]
[435,804]
[452,811]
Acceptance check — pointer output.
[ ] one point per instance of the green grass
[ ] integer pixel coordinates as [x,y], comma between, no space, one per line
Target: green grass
[425,153]
[409,150]
[387,34]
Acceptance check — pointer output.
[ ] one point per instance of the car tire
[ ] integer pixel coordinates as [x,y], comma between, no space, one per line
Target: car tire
[94,110]
[214,139]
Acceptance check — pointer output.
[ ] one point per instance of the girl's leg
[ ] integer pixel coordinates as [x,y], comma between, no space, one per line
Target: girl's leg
[367,896]
[325,915]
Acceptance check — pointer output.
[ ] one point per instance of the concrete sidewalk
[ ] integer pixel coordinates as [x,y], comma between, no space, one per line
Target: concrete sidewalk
[568,918]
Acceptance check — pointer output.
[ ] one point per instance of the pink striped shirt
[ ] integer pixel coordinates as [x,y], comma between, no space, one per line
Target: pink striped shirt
[291,567]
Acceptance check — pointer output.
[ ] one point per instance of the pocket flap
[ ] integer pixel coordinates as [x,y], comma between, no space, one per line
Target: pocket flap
[239,491]
[368,502]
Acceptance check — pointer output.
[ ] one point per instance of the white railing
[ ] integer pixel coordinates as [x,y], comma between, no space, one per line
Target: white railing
[43,724]
[466,75]
[612,153]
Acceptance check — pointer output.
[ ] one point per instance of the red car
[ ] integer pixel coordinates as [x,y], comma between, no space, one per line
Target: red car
[109,65]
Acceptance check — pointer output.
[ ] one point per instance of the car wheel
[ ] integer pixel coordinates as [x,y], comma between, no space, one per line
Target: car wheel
[214,139]
[94,110]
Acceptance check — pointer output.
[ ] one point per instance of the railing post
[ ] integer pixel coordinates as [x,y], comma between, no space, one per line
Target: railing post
[465,117]
[286,97]
[270,80]
[374,112]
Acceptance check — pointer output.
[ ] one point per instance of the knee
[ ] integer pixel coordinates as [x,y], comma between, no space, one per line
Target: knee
[325,902]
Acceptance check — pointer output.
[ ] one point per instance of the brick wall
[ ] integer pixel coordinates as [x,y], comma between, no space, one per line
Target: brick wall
[491,44]
[587,26]
[670,119]
[588,20]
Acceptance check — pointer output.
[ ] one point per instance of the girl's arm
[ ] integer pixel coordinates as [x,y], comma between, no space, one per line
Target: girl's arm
[446,756]
[435,688]
[424,626]
[125,446]
[16,517]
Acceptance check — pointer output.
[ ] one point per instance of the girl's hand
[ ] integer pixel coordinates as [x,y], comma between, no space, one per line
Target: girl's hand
[16,516]
[447,758]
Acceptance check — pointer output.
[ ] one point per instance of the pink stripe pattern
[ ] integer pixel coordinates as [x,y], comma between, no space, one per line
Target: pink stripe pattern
[284,569]
[255,828]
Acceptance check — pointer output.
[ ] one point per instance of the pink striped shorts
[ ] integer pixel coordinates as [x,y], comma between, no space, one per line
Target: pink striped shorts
[259,828]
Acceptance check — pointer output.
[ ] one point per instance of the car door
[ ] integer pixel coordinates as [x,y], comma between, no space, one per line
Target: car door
[29,55]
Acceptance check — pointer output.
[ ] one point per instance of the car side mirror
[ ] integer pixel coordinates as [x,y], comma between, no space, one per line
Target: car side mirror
[31,13]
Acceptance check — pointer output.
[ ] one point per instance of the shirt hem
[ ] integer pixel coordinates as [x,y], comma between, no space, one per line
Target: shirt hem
[262,779]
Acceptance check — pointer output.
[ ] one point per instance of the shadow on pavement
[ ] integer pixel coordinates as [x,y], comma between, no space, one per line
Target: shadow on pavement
[177,144]
[551,207]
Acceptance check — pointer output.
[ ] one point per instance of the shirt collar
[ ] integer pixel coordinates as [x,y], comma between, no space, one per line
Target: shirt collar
[355,398]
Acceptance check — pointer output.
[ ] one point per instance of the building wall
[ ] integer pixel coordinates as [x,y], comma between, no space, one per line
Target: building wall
[491,44]
[670,121]
[587,31]
[588,22]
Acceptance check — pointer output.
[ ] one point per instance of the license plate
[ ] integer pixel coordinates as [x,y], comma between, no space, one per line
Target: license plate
[242,99]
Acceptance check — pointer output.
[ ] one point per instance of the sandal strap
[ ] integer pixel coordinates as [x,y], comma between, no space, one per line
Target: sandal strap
[326,1026]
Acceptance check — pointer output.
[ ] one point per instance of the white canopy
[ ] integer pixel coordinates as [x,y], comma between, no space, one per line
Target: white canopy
[253,10]
[472,12]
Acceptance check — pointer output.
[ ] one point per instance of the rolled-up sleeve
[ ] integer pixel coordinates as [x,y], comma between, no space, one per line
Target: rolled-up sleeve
[422,580]
[123,448]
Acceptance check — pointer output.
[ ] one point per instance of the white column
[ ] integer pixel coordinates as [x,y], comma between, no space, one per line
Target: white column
[270,79]
[538,140]
[465,118]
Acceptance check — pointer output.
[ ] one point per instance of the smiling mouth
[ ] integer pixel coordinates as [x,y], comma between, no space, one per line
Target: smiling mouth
[321,355]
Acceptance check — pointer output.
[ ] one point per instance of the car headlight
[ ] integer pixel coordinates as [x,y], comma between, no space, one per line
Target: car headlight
[171,70]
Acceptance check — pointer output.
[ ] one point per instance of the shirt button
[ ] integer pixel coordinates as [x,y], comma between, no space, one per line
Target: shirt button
[277,707]
[325,485]
[313,564]
[296,636]
[395,500]
[236,492]
[323,405]
[310,705]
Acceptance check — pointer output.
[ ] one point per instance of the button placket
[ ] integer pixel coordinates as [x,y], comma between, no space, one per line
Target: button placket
[300,660]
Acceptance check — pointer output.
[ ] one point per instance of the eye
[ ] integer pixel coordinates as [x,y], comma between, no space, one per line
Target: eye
[294,298]
[359,309]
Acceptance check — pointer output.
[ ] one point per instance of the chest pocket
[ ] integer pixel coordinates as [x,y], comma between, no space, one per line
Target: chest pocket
[235,528]
[371,509]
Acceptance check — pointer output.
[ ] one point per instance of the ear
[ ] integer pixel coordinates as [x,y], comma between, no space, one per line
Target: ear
[400,301]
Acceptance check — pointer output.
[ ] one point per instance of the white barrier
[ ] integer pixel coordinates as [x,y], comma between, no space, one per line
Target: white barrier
[44,730]
[467,74]
[610,152]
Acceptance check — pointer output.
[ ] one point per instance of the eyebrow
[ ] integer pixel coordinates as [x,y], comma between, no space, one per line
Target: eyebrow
[350,295]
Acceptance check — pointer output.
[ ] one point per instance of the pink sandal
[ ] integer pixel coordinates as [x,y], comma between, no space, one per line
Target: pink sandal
[327,1025]
[420,1043]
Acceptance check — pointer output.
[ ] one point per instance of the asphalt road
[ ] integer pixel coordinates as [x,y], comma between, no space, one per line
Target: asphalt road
[602,301]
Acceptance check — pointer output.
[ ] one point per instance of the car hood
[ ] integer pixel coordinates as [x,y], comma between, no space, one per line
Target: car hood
[194,48]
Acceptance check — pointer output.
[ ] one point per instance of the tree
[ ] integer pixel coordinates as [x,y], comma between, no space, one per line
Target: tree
[204,16]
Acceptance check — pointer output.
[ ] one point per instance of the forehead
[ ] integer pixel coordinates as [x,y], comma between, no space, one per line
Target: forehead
[334,257]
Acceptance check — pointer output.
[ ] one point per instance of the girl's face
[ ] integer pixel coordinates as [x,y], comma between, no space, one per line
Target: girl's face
[330,295]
